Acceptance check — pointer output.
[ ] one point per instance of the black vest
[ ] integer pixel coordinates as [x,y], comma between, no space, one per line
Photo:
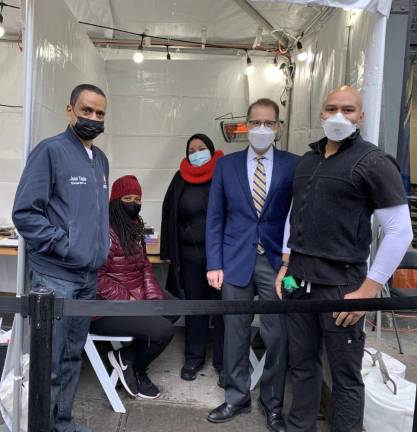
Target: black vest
[331,216]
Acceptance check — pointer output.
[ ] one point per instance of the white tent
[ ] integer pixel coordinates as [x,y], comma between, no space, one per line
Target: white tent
[156,105]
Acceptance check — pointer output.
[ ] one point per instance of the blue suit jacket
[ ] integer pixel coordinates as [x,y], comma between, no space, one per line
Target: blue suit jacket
[233,228]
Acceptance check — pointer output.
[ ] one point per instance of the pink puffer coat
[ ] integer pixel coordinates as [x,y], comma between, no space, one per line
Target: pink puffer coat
[123,277]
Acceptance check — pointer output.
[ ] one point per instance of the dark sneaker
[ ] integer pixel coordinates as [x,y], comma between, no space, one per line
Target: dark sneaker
[125,372]
[146,388]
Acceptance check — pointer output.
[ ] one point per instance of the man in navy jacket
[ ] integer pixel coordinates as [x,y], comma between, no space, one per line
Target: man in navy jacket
[249,201]
[61,210]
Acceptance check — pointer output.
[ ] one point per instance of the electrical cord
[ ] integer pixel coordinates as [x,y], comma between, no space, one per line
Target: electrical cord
[11,106]
[192,42]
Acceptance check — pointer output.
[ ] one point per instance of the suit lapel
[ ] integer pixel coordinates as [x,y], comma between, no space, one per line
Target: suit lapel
[242,173]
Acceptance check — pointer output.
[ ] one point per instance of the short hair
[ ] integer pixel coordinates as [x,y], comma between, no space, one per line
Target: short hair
[265,102]
[75,94]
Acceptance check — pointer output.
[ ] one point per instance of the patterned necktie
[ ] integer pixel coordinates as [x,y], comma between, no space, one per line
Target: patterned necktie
[259,193]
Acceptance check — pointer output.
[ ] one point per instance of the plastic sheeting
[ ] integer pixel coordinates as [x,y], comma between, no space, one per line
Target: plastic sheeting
[64,58]
[375,6]
[334,59]
[323,70]
[156,106]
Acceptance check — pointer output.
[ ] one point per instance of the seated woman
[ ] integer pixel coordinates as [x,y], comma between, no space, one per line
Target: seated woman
[128,275]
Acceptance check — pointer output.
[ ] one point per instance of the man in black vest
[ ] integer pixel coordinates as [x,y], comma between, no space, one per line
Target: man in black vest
[338,185]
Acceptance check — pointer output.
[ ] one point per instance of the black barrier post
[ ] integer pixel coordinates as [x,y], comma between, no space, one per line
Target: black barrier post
[41,307]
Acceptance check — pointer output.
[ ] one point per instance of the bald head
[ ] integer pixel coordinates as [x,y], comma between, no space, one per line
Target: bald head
[345,100]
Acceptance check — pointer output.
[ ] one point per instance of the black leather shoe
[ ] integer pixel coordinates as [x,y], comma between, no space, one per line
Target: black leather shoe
[189,372]
[274,420]
[220,381]
[225,412]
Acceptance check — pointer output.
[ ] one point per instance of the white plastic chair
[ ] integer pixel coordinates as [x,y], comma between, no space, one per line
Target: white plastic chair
[108,382]
[257,365]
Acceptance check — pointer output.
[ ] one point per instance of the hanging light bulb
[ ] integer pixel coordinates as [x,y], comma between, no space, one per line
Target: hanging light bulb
[274,72]
[168,54]
[250,68]
[2,31]
[138,56]
[302,55]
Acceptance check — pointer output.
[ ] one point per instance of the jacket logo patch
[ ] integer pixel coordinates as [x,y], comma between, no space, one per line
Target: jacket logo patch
[78,180]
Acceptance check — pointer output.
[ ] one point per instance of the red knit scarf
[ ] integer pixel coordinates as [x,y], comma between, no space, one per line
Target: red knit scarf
[202,174]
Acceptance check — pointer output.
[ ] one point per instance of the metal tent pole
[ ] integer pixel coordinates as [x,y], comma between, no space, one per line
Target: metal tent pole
[21,259]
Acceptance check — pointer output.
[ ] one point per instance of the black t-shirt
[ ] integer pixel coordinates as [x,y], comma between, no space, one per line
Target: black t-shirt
[378,177]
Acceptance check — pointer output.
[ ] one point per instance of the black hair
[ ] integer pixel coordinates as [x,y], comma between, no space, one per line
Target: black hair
[206,140]
[265,102]
[130,232]
[75,94]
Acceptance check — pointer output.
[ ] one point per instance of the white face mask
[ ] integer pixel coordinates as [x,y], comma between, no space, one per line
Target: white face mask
[199,158]
[338,127]
[261,137]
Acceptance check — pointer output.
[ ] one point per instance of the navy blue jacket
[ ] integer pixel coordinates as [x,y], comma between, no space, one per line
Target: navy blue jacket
[233,228]
[61,207]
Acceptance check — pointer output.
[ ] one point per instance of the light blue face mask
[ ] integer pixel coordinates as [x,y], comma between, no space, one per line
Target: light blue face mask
[199,158]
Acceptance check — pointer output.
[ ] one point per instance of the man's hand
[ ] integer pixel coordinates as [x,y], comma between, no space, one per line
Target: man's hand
[215,278]
[369,289]
[278,281]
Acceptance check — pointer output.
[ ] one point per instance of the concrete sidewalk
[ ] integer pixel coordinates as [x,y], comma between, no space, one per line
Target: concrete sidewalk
[182,406]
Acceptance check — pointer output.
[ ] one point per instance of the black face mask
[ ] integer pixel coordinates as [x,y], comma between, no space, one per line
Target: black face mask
[88,129]
[132,209]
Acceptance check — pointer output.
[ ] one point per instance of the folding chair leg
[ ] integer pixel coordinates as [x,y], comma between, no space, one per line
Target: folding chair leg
[103,377]
[258,367]
[397,333]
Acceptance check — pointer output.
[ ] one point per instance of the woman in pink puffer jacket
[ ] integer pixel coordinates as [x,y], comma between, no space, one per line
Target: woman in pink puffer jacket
[128,275]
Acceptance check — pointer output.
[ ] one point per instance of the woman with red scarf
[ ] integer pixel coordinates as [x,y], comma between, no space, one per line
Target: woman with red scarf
[183,243]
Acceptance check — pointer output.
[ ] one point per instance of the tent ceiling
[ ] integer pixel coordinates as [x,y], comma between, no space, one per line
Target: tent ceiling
[226,21]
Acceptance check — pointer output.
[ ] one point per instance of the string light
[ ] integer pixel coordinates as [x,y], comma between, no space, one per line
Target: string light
[302,55]
[250,68]
[274,72]
[138,56]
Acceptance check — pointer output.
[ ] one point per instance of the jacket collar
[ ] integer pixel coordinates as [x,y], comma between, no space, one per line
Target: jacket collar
[320,146]
[72,136]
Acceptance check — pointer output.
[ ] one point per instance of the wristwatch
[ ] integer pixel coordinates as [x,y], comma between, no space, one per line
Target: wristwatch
[285,264]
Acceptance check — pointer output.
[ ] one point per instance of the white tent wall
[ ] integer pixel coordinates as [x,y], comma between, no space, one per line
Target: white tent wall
[157,105]
[334,59]
[64,57]
[11,126]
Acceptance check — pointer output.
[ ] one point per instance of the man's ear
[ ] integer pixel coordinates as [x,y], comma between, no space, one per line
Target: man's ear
[69,111]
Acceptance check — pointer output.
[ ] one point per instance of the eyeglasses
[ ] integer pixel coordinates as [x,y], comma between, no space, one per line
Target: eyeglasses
[267,123]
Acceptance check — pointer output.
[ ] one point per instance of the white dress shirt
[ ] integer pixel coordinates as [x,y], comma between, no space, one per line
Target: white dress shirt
[268,163]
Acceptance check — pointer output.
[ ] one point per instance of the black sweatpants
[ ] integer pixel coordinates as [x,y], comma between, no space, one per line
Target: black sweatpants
[344,346]
[193,278]
[151,336]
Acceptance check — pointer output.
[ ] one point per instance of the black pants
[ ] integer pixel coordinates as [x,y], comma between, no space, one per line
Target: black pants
[193,277]
[273,331]
[151,336]
[344,346]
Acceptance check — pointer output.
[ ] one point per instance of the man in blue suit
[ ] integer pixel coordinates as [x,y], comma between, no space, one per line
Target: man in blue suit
[250,197]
